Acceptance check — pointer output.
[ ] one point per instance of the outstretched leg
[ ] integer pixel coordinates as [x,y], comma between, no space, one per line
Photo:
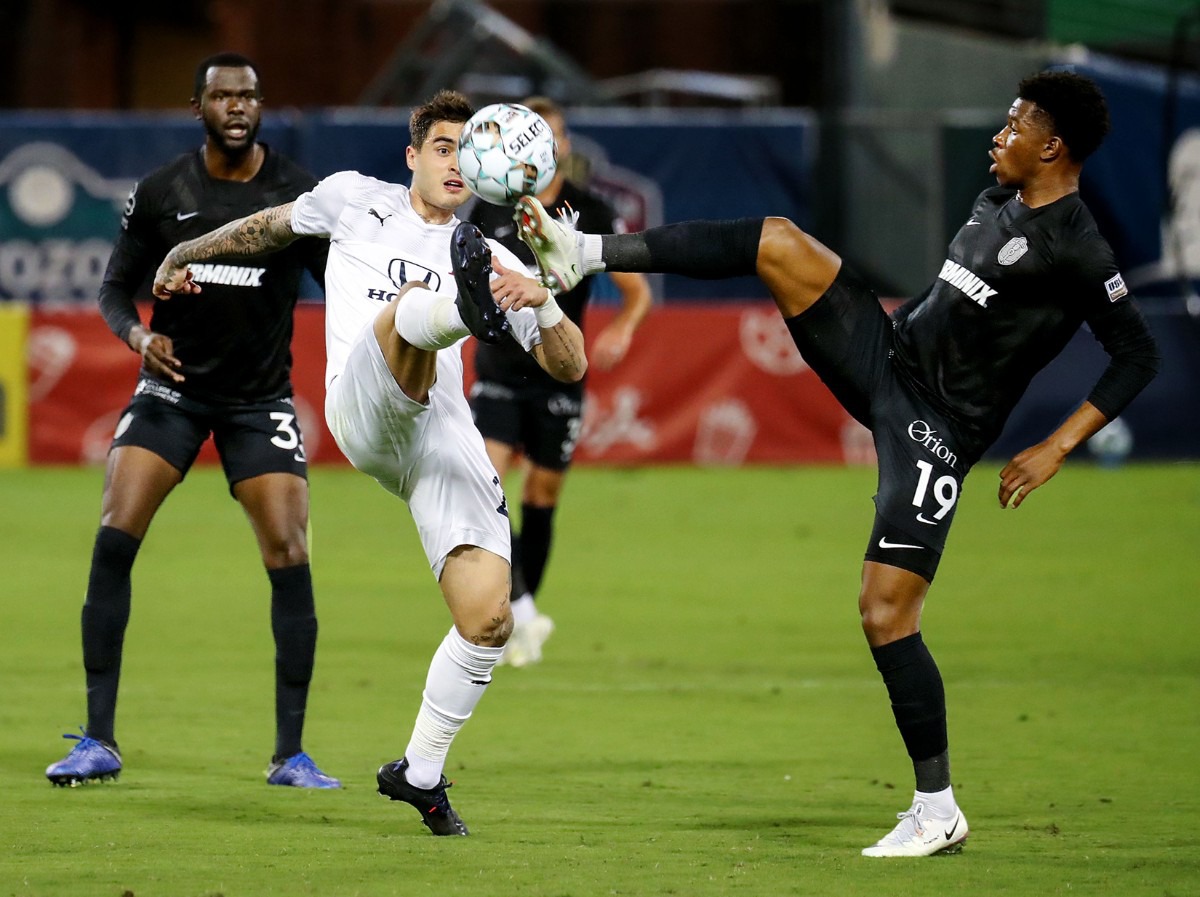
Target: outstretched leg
[890,604]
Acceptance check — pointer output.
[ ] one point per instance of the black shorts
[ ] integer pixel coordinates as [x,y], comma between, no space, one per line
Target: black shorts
[544,424]
[250,439]
[847,339]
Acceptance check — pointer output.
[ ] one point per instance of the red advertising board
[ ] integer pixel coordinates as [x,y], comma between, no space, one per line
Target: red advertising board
[704,383]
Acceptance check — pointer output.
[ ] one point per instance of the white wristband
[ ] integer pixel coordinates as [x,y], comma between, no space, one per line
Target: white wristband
[548,313]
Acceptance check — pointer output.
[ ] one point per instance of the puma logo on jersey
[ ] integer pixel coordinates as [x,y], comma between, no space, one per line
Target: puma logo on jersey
[974,288]
[233,275]
[381,218]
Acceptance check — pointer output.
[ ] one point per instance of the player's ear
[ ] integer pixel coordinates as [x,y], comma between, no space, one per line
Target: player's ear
[197,112]
[1054,148]
[410,156]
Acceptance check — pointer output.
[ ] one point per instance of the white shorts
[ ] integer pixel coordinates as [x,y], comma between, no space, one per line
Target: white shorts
[432,456]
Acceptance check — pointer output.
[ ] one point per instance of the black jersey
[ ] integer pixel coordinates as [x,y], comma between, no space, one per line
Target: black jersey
[234,337]
[1017,284]
[506,362]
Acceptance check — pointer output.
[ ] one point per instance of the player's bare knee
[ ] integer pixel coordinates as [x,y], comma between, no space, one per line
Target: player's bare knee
[284,550]
[491,631]
[796,267]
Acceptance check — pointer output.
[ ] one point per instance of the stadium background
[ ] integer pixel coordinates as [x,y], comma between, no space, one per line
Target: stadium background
[867,122]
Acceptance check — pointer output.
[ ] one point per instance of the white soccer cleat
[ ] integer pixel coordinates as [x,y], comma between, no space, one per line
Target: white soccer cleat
[557,245]
[919,834]
[525,644]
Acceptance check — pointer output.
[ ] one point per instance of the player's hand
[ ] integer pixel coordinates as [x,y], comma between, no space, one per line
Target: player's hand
[610,346]
[513,290]
[1028,470]
[158,353]
[173,279]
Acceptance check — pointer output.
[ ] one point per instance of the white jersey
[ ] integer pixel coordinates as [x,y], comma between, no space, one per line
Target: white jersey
[378,243]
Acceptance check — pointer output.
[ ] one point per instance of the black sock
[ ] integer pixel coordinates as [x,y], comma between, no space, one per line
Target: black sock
[708,250]
[519,586]
[919,705]
[537,531]
[294,625]
[104,618]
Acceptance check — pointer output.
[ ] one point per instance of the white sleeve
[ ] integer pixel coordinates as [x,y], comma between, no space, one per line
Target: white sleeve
[316,212]
[523,321]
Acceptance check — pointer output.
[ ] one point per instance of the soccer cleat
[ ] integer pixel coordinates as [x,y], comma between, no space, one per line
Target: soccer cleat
[557,245]
[90,760]
[919,834]
[431,803]
[472,262]
[299,771]
[524,646]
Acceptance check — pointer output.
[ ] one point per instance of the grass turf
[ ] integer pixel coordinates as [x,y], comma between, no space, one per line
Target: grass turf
[707,720]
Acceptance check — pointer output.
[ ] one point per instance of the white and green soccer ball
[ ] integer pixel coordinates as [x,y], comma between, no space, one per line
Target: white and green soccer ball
[506,151]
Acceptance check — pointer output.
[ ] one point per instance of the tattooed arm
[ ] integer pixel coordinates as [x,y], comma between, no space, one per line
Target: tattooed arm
[255,234]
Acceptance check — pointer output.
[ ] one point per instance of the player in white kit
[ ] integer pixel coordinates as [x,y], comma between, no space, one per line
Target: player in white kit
[405,284]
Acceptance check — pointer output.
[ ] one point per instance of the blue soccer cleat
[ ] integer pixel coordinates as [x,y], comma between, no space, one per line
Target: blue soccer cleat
[299,771]
[90,760]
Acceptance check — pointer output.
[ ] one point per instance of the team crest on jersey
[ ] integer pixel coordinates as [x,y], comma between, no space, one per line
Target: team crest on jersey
[403,271]
[1116,287]
[1012,250]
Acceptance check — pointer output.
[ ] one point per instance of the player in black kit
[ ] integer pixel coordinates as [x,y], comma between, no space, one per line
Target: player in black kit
[519,408]
[936,381]
[220,365]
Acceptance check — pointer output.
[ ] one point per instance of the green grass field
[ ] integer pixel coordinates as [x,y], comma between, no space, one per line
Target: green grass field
[707,721]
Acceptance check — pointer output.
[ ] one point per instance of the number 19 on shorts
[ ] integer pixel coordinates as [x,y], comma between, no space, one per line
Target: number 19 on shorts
[945,493]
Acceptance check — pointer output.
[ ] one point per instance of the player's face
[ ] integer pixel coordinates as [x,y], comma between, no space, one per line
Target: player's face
[1017,150]
[231,108]
[436,179]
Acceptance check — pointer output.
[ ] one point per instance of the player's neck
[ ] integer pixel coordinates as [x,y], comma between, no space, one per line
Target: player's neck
[1043,191]
[430,214]
[226,167]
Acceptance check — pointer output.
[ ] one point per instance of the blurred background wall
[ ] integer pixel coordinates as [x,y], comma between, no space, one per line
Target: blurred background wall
[867,121]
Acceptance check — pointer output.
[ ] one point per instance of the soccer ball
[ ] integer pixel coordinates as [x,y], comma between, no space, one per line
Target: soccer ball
[506,151]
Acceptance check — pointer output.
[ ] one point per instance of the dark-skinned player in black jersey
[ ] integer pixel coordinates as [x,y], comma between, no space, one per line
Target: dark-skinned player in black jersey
[936,380]
[221,367]
[520,409]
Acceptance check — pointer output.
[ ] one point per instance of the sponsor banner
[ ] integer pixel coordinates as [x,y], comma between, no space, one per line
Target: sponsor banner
[717,384]
[81,377]
[704,383]
[14,325]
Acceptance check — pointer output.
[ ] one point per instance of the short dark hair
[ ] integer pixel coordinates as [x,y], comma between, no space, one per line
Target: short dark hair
[222,61]
[446,105]
[1074,107]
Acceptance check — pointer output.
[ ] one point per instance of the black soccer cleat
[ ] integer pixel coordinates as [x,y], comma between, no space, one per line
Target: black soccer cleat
[431,803]
[472,262]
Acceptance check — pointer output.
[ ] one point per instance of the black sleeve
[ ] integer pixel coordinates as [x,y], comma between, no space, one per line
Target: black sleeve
[910,306]
[1123,333]
[131,260]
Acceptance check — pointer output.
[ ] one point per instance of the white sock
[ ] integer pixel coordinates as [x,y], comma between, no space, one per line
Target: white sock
[523,609]
[429,320]
[940,804]
[591,254]
[458,676]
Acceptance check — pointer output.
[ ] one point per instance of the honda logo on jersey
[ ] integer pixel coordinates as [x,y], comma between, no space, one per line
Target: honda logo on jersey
[402,271]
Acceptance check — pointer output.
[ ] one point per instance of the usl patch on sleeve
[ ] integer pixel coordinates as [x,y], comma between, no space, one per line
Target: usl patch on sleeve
[1116,288]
